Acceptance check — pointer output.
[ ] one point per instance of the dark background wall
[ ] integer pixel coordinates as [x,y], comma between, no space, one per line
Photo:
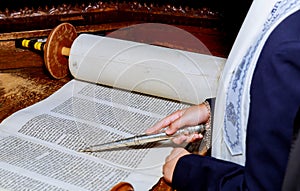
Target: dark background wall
[233,12]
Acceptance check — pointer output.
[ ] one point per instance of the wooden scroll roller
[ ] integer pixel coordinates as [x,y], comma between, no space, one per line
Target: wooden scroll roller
[56,49]
[122,186]
[161,185]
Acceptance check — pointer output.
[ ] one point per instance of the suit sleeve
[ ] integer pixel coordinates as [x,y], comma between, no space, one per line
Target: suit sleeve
[195,172]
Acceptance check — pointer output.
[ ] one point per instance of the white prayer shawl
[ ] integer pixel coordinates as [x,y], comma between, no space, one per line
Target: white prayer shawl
[233,97]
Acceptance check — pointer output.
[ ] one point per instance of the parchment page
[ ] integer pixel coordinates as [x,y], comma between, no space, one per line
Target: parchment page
[174,74]
[40,144]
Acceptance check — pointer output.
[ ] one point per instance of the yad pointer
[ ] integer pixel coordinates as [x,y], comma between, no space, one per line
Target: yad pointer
[143,139]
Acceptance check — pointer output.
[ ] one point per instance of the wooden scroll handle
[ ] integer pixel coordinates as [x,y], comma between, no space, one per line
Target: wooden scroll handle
[38,45]
[56,49]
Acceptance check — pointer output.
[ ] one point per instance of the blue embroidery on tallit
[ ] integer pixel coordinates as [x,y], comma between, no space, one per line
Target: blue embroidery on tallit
[232,119]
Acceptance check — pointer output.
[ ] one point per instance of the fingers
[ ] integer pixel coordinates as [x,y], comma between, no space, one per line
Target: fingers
[174,122]
[171,161]
[191,138]
[191,116]
[194,137]
[179,139]
[167,121]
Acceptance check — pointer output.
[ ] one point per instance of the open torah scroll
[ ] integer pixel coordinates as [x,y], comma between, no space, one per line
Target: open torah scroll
[120,89]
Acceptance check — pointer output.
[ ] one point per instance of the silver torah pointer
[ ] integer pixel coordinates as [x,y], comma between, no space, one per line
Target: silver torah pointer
[143,139]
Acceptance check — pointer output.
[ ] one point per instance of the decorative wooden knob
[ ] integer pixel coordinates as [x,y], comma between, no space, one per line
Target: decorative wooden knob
[122,186]
[56,49]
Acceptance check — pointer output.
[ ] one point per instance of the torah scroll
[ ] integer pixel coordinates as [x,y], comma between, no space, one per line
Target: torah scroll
[154,70]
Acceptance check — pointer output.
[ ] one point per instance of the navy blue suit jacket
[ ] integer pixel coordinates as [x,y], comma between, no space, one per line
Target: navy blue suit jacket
[274,108]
